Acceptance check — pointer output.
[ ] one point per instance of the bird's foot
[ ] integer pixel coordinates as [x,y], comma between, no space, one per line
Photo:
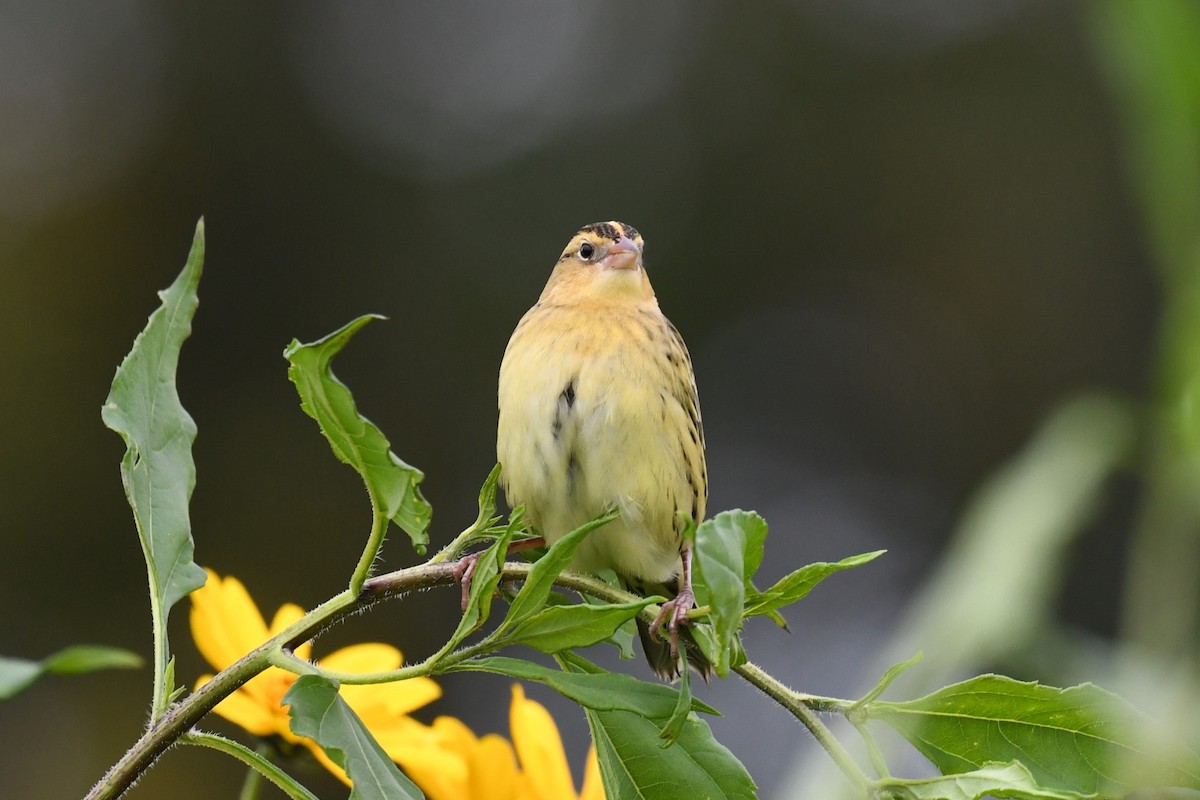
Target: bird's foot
[674,613]
[464,570]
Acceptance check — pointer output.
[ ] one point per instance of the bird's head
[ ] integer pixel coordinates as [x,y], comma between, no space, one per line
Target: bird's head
[601,263]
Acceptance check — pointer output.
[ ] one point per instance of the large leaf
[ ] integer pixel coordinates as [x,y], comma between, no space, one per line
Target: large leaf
[157,469]
[321,715]
[556,628]
[796,585]
[393,485]
[634,765]
[727,550]
[1010,780]
[599,690]
[1083,739]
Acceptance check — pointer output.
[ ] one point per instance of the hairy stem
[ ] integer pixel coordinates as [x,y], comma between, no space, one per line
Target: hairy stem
[180,718]
[258,763]
[802,707]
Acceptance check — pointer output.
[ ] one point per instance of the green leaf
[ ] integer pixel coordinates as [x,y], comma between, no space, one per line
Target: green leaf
[679,715]
[393,485]
[622,638]
[1011,780]
[599,690]
[634,766]
[727,550]
[90,658]
[17,674]
[157,470]
[556,628]
[541,578]
[487,505]
[1083,739]
[483,586]
[320,714]
[796,585]
[886,681]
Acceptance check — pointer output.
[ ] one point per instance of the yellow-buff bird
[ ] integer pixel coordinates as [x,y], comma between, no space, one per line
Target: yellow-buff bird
[598,410]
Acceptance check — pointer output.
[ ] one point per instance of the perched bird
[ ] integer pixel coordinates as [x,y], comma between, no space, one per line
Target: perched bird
[598,410]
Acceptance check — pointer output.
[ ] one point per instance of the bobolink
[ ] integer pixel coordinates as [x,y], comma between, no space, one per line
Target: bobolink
[598,410]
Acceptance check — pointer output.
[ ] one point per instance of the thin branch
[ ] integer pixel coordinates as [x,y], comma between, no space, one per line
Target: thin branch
[259,763]
[801,707]
[181,717]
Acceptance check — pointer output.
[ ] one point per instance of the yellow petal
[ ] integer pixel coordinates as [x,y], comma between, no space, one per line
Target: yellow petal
[241,710]
[377,702]
[287,614]
[543,761]
[359,658]
[493,769]
[431,755]
[593,786]
[326,761]
[225,622]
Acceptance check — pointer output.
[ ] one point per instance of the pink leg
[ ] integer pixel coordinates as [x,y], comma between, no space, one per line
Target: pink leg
[464,570]
[674,612]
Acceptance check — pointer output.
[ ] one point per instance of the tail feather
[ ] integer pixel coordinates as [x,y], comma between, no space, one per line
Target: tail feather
[658,648]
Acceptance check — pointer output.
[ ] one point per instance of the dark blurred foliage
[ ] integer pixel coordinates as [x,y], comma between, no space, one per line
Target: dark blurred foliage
[893,239]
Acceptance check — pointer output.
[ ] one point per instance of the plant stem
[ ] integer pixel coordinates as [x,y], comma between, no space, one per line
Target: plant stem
[801,707]
[180,718]
[374,543]
[258,763]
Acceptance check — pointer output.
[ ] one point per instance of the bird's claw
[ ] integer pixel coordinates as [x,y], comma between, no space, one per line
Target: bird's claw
[674,613]
[464,570]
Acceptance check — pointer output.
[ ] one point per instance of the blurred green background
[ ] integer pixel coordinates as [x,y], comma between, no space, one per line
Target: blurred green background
[901,241]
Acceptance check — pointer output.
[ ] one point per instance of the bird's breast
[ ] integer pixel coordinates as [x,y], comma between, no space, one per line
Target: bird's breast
[587,423]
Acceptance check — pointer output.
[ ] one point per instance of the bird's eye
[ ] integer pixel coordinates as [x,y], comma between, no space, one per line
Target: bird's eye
[586,251]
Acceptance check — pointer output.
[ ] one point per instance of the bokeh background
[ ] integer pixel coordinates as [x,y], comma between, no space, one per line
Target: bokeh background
[936,263]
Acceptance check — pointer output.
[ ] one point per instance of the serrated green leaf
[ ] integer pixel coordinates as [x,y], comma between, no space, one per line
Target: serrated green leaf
[83,658]
[157,470]
[16,675]
[1011,780]
[556,628]
[1082,739]
[541,578]
[320,714]
[393,485]
[796,585]
[727,550]
[635,767]
[599,690]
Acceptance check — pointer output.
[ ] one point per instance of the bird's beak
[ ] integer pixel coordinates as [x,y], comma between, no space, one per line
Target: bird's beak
[622,254]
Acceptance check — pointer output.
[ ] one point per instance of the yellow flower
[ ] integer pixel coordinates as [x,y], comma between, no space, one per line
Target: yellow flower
[445,759]
[544,769]
[488,766]
[227,624]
